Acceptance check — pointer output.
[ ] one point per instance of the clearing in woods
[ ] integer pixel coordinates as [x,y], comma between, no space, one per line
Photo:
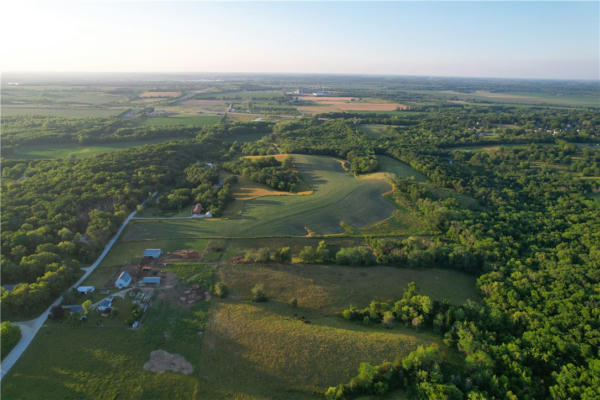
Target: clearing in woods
[338,197]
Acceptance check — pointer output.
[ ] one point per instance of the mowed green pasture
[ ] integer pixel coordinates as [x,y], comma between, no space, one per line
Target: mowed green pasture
[105,362]
[182,120]
[331,288]
[338,197]
[68,150]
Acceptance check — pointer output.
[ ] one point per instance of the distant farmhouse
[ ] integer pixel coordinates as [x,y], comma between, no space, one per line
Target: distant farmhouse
[123,280]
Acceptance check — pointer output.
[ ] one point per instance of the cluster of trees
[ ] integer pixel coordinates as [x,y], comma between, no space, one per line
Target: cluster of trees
[422,373]
[412,309]
[201,184]
[269,171]
[10,334]
[360,255]
[339,138]
[263,255]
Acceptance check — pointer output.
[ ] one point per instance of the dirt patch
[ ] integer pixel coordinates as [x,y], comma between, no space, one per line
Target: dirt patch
[331,104]
[193,295]
[189,254]
[160,94]
[161,360]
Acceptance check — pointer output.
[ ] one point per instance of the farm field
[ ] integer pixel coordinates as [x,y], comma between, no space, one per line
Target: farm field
[331,288]
[61,111]
[526,98]
[318,105]
[338,196]
[182,120]
[489,147]
[150,94]
[74,150]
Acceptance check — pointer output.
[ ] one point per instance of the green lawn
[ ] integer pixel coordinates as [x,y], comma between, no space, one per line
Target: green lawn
[92,362]
[183,119]
[338,197]
[331,288]
[75,150]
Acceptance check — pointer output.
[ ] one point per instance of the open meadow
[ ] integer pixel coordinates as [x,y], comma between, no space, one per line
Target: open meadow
[338,197]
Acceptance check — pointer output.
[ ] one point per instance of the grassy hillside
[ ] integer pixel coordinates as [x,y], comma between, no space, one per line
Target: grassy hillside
[263,352]
[338,197]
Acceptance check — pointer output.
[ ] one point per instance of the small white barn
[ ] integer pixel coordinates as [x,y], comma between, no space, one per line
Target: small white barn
[152,253]
[86,289]
[123,280]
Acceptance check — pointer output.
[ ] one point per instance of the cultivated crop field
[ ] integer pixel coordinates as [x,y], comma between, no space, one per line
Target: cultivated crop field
[318,105]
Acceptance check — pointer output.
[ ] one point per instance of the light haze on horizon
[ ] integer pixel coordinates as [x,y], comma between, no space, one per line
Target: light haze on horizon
[558,40]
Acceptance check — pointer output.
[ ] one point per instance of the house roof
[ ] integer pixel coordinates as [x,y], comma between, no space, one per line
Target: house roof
[151,279]
[74,309]
[152,253]
[124,276]
[105,303]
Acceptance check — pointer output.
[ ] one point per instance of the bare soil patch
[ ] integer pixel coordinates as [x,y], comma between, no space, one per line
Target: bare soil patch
[161,360]
[331,104]
[160,94]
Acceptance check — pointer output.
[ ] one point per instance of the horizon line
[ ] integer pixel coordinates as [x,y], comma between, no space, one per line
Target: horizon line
[351,74]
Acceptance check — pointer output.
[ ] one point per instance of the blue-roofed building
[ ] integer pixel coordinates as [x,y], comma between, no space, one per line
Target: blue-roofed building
[105,304]
[74,309]
[152,253]
[123,280]
[8,287]
[151,281]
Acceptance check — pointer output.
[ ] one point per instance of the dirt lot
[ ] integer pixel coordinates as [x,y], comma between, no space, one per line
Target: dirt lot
[161,360]
[332,104]
[160,94]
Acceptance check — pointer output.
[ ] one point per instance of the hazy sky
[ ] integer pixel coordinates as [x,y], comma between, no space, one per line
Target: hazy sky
[492,39]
